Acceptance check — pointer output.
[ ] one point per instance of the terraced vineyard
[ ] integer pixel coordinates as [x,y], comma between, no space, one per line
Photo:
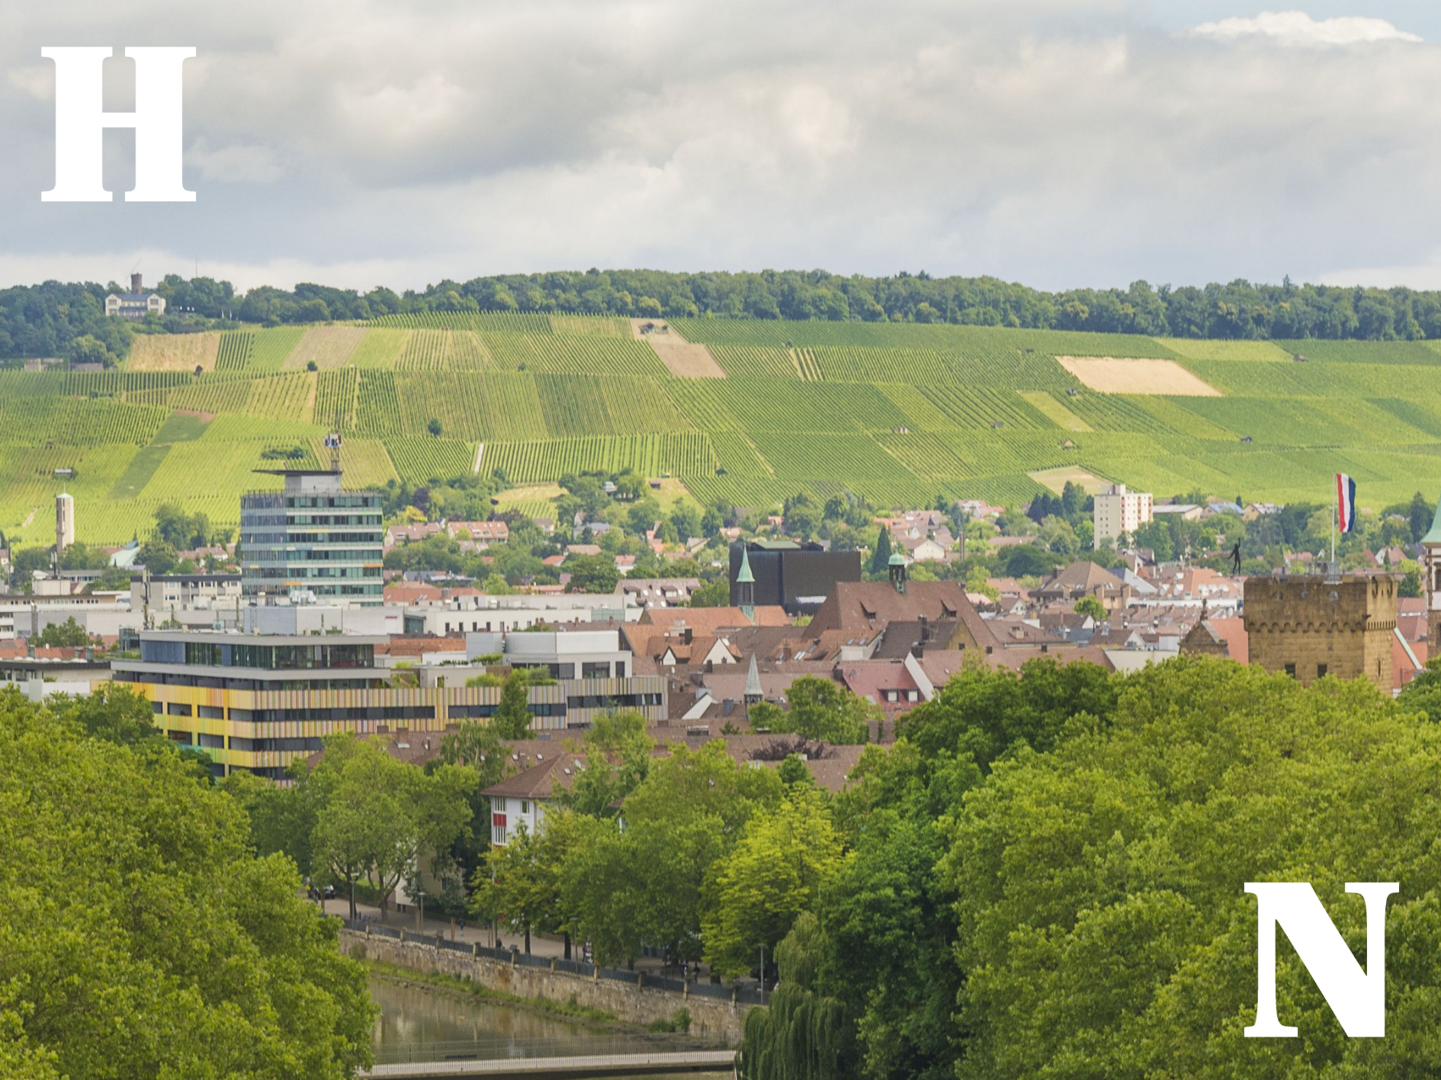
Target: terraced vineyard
[899,413]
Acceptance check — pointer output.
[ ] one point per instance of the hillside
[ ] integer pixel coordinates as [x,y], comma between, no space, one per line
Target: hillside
[744,411]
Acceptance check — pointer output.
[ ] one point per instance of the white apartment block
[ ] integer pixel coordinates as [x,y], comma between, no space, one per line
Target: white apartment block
[1118,511]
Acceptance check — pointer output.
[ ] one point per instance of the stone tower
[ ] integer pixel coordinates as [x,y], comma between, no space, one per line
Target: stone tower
[1318,625]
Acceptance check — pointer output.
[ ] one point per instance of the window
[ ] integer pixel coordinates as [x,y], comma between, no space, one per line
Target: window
[497,834]
[525,806]
[593,669]
[177,709]
[1320,671]
[1291,670]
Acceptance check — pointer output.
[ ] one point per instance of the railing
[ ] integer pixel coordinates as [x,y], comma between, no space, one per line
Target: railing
[741,995]
[599,1044]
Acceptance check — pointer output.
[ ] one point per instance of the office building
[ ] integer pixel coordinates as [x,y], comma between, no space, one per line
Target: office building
[260,701]
[311,542]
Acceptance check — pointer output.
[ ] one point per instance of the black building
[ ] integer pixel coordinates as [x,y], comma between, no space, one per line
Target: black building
[797,577]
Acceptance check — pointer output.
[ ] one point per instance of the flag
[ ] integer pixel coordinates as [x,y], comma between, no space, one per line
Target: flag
[1345,503]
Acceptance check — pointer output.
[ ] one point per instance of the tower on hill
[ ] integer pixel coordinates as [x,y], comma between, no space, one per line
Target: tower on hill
[311,540]
[64,523]
[1316,625]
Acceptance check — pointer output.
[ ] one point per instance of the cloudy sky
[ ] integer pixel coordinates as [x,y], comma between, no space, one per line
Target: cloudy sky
[1055,142]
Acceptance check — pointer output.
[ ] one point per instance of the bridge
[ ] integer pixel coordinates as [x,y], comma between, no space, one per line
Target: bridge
[561,1068]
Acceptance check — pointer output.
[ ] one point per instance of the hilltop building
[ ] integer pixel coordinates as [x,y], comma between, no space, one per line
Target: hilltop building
[1119,512]
[1318,625]
[136,304]
[312,541]
[64,523]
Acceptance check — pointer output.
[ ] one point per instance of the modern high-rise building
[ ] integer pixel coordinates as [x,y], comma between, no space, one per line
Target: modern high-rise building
[64,523]
[311,540]
[1119,512]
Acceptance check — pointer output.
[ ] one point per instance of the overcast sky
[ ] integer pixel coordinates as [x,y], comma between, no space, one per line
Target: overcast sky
[1054,142]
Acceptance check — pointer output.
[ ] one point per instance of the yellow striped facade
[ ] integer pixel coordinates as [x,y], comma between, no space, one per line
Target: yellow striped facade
[213,728]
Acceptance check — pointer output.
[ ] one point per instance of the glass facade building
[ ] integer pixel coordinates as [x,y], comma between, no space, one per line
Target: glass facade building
[312,539]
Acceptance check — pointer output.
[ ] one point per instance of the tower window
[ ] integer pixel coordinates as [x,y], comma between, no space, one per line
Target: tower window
[1291,670]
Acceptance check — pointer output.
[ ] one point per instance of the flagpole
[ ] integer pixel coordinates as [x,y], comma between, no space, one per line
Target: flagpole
[1332,567]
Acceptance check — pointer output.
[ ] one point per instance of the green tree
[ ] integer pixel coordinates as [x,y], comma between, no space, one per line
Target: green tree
[112,712]
[804,1033]
[1089,605]
[1419,515]
[512,717]
[881,556]
[617,759]
[69,634]
[644,885]
[142,937]
[778,869]
[376,815]
[90,350]
[1100,885]
[1423,693]
[824,710]
[481,747]
[433,426]
[715,593]
[591,574]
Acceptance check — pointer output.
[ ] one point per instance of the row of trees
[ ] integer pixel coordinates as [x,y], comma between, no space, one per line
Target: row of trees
[1238,309]
[47,319]
[1044,878]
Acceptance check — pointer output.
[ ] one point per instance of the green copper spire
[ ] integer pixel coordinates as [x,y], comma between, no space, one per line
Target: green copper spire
[1434,536]
[744,575]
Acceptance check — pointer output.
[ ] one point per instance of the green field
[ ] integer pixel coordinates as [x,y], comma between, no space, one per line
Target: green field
[899,413]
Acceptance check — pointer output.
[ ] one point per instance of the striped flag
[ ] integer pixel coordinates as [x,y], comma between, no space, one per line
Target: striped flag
[1345,503]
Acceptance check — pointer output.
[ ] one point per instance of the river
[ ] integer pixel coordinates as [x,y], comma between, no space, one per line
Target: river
[418,1023]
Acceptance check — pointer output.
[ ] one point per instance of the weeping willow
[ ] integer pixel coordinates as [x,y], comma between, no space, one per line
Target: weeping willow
[803,1035]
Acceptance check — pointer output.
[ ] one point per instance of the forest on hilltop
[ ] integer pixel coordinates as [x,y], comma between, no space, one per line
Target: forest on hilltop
[50,318]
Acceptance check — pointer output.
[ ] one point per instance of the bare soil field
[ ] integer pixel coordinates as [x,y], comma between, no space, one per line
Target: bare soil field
[1110,376]
[328,346]
[1056,479]
[173,352]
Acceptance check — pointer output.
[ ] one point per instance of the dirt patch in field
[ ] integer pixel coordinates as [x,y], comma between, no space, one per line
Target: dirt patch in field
[203,417]
[684,360]
[1107,375]
[1056,479]
[173,352]
[328,346]
[688,361]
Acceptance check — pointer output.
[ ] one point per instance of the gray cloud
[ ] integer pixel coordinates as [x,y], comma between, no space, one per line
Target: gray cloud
[1058,143]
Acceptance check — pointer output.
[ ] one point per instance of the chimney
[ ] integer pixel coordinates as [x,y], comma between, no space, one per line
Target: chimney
[135,284]
[925,628]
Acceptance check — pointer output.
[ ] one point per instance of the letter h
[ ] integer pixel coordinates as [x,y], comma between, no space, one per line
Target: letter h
[80,122]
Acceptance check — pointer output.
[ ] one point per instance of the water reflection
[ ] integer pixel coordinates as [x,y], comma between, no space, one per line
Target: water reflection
[418,1023]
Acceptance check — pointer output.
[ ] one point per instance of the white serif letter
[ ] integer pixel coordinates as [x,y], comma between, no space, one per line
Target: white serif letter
[80,122]
[1357,998]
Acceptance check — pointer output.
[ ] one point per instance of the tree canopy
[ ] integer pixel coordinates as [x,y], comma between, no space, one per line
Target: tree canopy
[140,936]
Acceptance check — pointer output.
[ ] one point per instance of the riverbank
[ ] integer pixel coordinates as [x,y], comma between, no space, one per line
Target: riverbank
[560,993]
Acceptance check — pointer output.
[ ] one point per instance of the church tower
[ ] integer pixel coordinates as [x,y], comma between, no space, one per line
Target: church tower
[1431,565]
[746,586]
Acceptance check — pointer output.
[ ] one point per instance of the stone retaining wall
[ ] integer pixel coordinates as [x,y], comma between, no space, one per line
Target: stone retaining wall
[710,1018]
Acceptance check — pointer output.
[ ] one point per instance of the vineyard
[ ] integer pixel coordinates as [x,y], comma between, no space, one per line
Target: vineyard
[898,413]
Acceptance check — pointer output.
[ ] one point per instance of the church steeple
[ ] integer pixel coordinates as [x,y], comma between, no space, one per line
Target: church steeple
[1431,563]
[746,588]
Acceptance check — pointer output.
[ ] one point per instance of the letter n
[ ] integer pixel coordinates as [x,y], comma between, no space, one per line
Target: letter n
[80,123]
[1357,998]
